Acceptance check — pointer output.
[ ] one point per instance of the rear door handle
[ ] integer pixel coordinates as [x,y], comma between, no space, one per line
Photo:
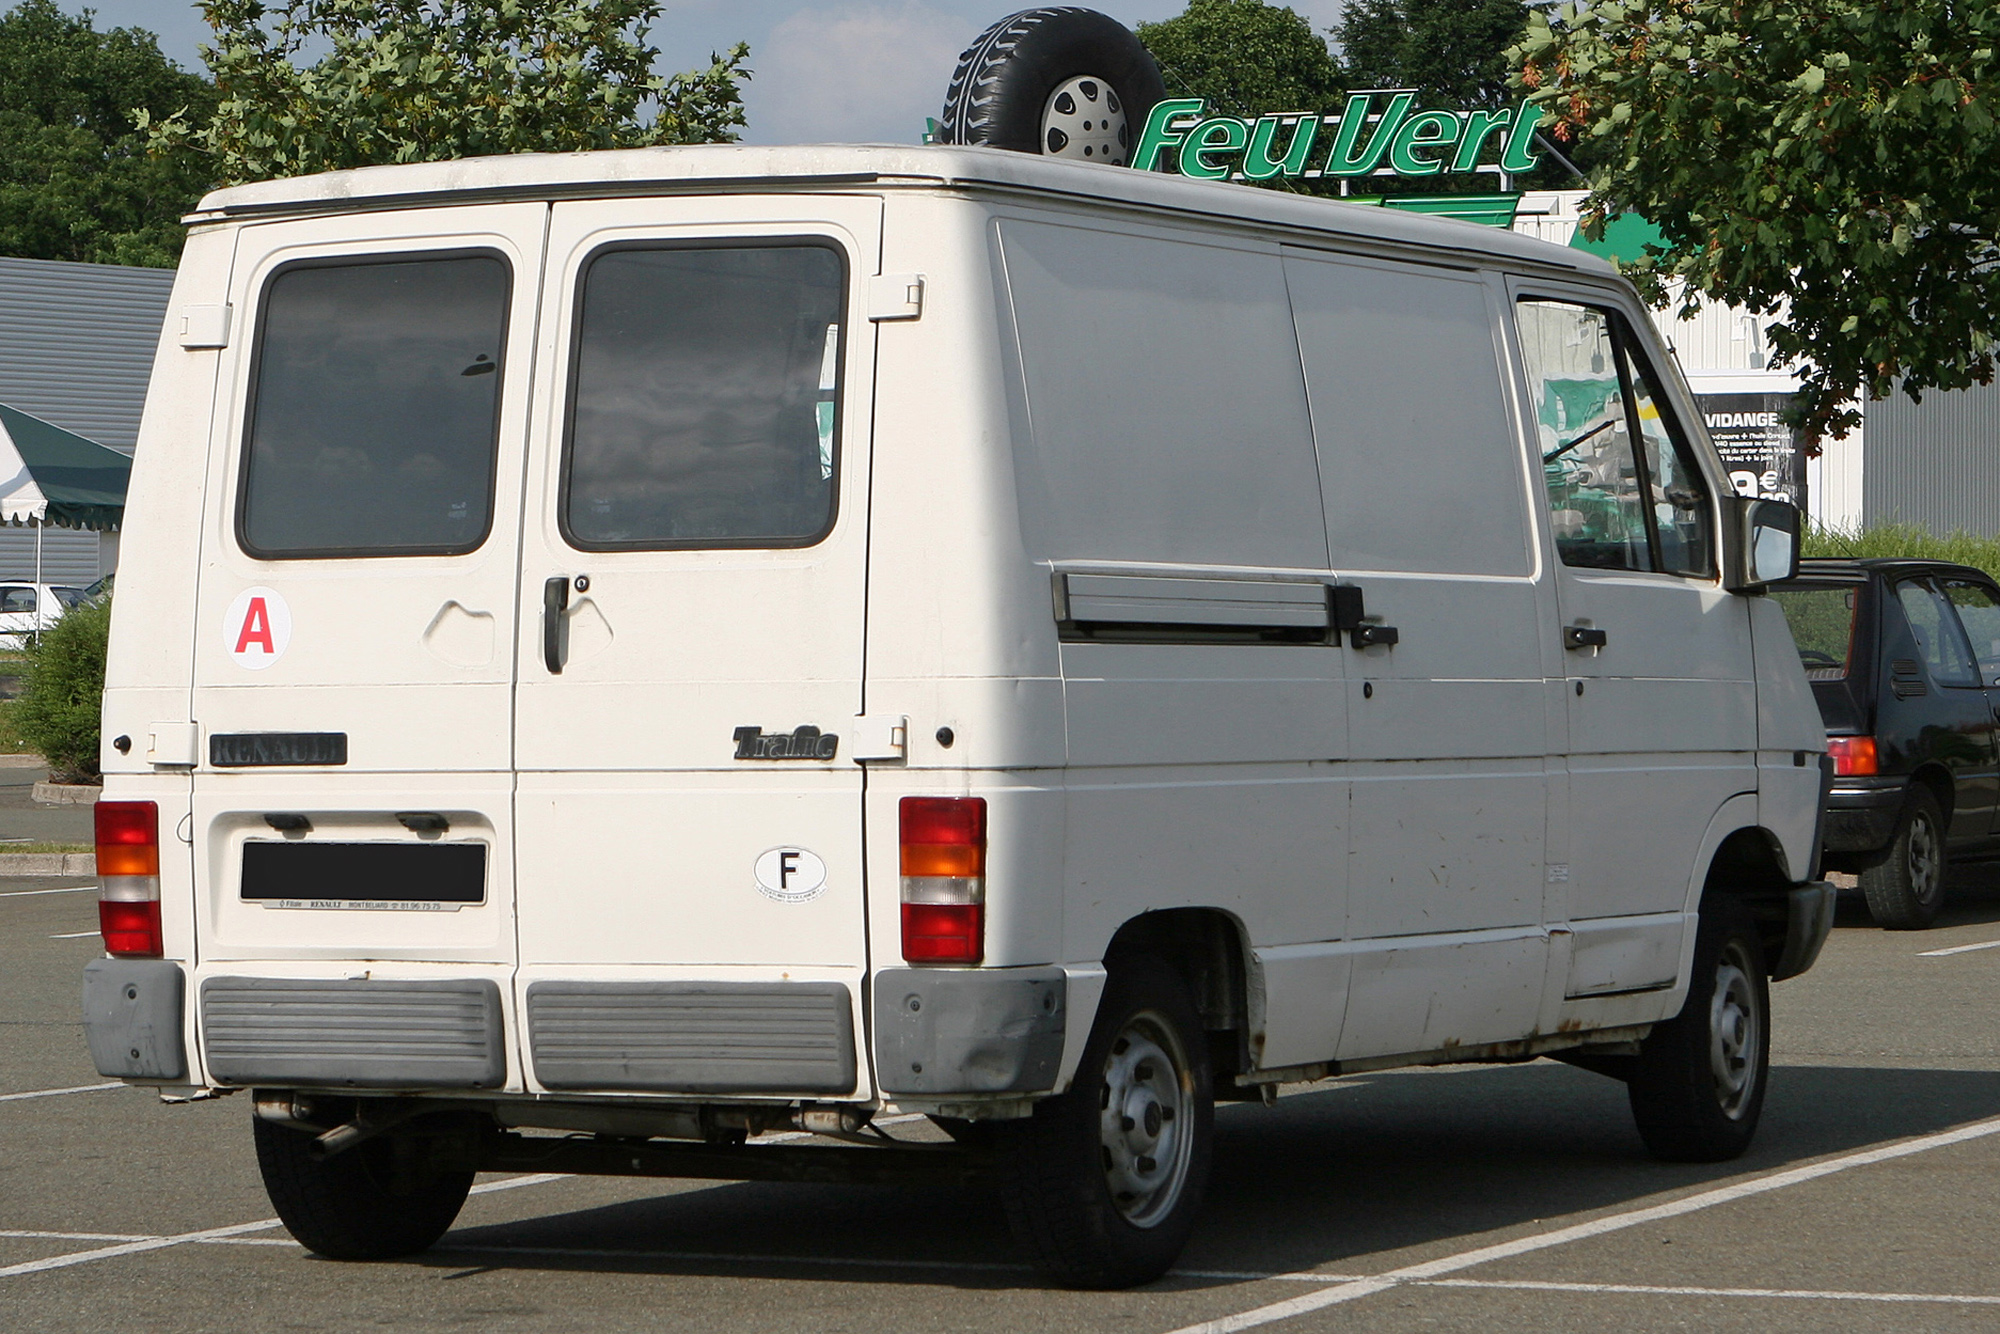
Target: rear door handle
[1583,636]
[555,601]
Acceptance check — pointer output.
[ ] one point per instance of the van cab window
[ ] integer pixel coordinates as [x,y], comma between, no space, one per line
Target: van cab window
[374,408]
[1936,629]
[703,397]
[1613,506]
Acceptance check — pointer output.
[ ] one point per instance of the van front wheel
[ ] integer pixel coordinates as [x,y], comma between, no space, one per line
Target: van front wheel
[1697,1085]
[1103,1182]
[383,1198]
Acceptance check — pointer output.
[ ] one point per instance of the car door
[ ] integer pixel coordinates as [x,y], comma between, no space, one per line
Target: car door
[690,647]
[1658,677]
[1958,726]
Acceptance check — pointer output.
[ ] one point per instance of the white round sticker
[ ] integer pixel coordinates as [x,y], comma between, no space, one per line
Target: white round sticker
[257,628]
[791,875]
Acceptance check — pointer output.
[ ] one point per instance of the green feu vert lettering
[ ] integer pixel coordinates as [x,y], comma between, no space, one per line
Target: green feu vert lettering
[1376,131]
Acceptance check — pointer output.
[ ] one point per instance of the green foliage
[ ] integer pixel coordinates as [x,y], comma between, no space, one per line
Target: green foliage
[1246,57]
[76,182]
[1453,51]
[423,80]
[57,713]
[1833,161]
[1905,539]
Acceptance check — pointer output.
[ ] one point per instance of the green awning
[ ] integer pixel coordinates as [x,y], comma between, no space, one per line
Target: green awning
[56,478]
[1486,210]
[1626,237]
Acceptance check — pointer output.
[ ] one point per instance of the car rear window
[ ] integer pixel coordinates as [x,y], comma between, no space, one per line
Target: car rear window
[704,397]
[375,410]
[1822,621]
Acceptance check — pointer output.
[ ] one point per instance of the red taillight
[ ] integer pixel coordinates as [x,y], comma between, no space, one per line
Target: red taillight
[128,862]
[944,879]
[1853,756]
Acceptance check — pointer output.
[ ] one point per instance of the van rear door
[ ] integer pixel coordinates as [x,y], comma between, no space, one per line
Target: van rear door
[359,553]
[689,647]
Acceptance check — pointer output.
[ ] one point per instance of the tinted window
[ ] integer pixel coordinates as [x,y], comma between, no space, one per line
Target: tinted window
[1822,622]
[1415,477]
[702,407]
[1979,612]
[69,597]
[17,599]
[1936,631]
[1612,506]
[374,416]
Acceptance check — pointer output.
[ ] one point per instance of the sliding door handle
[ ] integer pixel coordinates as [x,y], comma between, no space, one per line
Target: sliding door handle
[555,601]
[1583,636]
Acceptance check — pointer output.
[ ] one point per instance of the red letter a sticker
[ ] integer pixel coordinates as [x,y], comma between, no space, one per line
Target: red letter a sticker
[256,628]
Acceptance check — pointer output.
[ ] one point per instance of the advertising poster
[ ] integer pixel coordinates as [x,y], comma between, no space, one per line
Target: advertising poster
[1760,453]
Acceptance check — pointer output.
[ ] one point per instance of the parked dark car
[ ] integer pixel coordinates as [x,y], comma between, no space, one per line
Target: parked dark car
[1904,659]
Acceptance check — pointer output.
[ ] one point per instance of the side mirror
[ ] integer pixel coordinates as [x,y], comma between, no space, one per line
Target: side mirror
[1765,545]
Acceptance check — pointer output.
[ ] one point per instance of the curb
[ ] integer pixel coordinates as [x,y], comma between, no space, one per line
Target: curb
[67,794]
[48,863]
[22,762]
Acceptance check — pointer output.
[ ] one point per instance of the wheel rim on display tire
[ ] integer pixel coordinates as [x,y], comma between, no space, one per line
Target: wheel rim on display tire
[1085,120]
[1923,859]
[1735,1051]
[1145,1125]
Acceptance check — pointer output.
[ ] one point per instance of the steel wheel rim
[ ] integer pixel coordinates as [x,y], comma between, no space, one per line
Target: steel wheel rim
[1735,1028]
[1084,120]
[1144,1133]
[1923,860]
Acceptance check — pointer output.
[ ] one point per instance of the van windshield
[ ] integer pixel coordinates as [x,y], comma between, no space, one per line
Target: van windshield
[1822,621]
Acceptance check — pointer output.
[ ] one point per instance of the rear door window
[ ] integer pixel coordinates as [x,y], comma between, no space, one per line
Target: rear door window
[1822,623]
[1978,610]
[1935,627]
[704,396]
[375,408]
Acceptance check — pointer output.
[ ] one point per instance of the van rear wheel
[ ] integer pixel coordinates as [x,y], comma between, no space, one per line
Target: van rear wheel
[1697,1085]
[1103,1183]
[1906,889]
[383,1198]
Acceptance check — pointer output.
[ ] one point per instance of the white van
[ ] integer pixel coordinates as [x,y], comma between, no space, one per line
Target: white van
[620,654]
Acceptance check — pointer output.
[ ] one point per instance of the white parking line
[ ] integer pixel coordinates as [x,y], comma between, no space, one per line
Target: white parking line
[1648,1290]
[56,1093]
[75,935]
[26,893]
[1356,1289]
[1961,949]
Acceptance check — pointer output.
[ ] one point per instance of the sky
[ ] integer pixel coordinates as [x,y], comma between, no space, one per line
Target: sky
[824,73]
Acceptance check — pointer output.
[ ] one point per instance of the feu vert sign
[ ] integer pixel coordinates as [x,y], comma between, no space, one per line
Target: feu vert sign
[1378,132]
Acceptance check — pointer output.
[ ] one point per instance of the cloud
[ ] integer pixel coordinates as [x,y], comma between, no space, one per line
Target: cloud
[856,74]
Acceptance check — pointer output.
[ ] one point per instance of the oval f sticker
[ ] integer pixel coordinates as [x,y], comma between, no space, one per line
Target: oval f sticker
[258,628]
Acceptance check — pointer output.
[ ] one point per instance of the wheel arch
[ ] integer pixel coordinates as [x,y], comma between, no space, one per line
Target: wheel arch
[1210,951]
[1744,861]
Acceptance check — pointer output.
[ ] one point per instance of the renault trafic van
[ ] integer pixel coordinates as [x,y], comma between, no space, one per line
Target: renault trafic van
[620,654]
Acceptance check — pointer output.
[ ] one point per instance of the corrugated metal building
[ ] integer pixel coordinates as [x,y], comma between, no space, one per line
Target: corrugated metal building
[76,349]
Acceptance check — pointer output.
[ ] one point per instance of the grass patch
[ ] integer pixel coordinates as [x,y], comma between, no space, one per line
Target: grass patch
[11,740]
[46,847]
[1907,540]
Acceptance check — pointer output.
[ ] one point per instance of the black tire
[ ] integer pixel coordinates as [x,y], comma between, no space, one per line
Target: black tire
[1906,889]
[381,1199]
[1697,1085]
[1008,84]
[1102,1184]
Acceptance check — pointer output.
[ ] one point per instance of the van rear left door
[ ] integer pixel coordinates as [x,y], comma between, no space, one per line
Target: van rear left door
[356,599]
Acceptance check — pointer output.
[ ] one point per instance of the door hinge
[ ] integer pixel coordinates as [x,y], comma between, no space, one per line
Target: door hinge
[174,745]
[880,736]
[896,296]
[204,326]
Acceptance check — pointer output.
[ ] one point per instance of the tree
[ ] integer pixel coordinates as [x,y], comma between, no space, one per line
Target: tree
[1452,51]
[1833,161]
[421,80]
[76,182]
[1246,57]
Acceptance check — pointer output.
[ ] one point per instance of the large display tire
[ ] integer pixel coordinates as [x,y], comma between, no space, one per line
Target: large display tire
[1061,82]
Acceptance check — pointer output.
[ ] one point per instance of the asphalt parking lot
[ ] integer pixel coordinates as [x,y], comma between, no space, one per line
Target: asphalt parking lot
[1455,1199]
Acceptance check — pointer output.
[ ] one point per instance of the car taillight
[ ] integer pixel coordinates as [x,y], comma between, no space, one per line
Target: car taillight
[128,863]
[1853,756]
[944,879]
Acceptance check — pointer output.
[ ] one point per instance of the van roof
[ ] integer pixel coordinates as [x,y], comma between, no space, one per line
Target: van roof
[707,168]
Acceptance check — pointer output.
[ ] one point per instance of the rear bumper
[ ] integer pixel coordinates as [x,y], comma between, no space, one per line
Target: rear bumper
[1861,814]
[1808,920]
[951,1032]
